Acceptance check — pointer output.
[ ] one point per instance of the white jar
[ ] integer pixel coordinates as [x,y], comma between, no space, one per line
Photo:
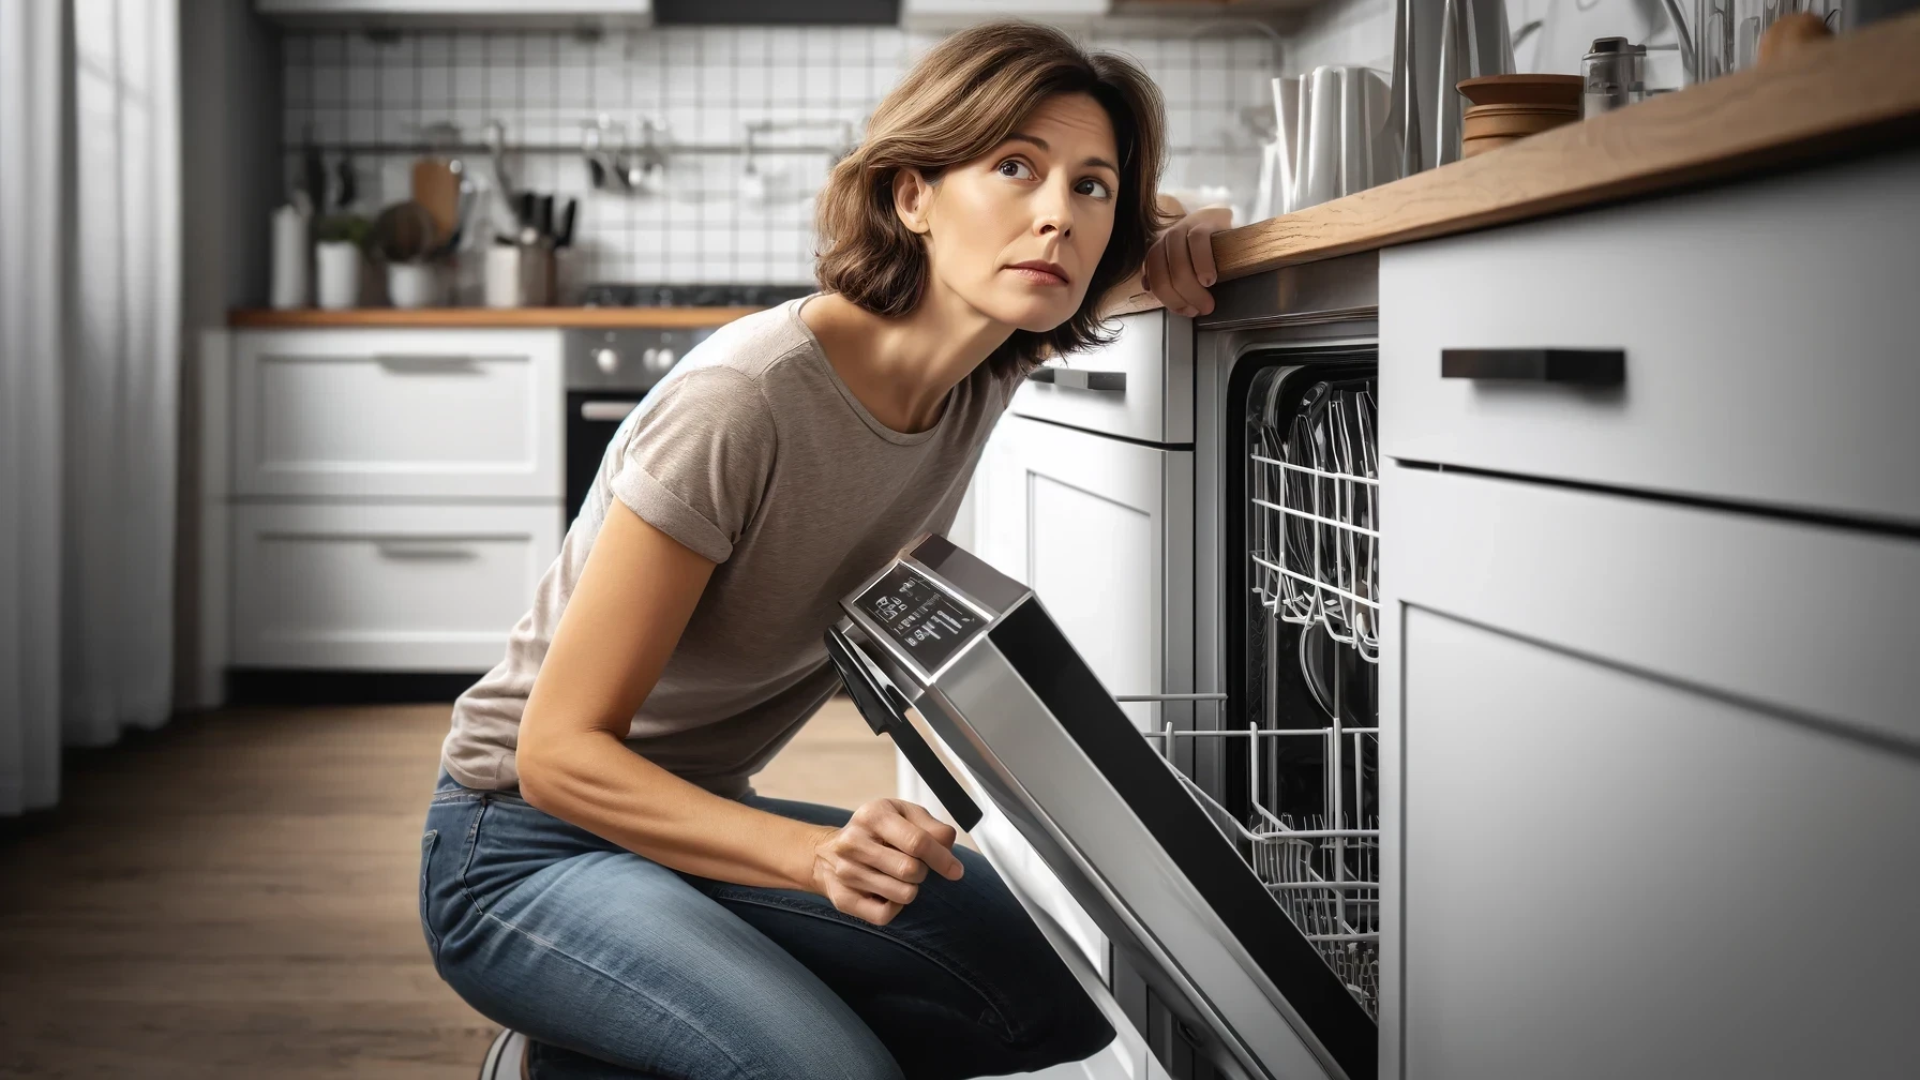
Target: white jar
[503,276]
[413,285]
[337,274]
[288,287]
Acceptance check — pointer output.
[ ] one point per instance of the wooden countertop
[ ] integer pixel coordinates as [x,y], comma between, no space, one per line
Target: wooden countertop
[1856,93]
[597,318]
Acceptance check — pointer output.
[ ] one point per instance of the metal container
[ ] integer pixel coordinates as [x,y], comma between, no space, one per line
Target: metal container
[1615,74]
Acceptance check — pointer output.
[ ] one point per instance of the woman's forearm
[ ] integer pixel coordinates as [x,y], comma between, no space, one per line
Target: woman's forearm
[593,780]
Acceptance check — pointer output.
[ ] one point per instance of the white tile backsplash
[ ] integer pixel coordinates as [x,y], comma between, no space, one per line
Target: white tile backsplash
[706,84]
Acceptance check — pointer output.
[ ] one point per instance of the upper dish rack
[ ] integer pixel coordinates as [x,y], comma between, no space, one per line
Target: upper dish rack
[1314,495]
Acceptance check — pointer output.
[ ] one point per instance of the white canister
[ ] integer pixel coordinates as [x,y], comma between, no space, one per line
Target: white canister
[503,276]
[289,281]
[413,285]
[337,274]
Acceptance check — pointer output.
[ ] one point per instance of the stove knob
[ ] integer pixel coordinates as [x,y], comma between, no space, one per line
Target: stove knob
[660,361]
[650,361]
[606,360]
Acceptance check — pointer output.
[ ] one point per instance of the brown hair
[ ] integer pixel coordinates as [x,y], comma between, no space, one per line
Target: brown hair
[960,101]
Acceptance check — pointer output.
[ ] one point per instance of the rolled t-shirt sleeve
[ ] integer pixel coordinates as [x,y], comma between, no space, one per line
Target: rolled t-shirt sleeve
[698,458]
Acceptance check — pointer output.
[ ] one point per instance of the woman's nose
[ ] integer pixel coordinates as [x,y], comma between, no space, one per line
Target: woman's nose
[1054,213]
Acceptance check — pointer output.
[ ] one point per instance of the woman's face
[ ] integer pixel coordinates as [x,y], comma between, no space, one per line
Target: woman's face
[1017,232]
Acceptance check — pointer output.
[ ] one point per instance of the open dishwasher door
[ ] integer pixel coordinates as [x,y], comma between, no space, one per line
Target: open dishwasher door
[1037,735]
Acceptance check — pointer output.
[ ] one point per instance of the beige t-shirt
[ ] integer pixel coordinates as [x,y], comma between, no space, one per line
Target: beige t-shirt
[755,454]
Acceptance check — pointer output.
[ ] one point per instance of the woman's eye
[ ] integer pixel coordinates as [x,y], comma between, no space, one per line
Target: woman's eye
[1020,169]
[1094,187]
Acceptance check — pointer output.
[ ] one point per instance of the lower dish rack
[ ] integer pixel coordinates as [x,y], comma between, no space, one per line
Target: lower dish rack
[1323,872]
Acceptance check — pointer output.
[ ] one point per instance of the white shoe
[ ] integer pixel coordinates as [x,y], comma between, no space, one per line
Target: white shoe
[506,1057]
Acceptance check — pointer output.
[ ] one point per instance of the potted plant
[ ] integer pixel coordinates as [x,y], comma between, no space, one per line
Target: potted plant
[339,241]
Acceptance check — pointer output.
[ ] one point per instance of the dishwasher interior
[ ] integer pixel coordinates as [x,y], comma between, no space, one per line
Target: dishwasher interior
[1294,740]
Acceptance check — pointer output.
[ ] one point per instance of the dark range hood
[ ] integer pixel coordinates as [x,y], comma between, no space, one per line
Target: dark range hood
[776,12]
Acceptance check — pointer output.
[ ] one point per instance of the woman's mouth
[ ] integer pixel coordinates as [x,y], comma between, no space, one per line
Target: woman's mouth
[1039,272]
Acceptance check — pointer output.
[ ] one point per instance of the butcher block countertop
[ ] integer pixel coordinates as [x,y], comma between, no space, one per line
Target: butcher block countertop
[1852,94]
[592,318]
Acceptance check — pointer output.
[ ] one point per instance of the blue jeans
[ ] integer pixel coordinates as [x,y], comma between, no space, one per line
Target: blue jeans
[616,966]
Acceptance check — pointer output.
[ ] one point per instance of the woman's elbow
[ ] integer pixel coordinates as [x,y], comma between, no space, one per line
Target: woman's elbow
[533,762]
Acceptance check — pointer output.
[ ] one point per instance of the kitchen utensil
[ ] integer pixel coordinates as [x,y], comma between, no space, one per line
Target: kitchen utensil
[404,232]
[290,253]
[1615,75]
[346,190]
[1518,121]
[1333,136]
[543,219]
[337,274]
[563,235]
[1726,35]
[436,186]
[1791,33]
[1473,43]
[413,285]
[1543,91]
[536,275]
[313,174]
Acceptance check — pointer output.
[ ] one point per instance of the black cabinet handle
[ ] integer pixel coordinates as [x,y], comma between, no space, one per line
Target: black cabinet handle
[1077,379]
[1587,367]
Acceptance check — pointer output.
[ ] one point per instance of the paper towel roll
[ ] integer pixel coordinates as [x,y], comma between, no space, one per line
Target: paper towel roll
[290,258]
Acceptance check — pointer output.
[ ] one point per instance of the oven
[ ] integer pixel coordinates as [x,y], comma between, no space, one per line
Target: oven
[610,371]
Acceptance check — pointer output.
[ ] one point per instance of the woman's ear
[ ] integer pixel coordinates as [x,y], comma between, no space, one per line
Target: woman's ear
[912,198]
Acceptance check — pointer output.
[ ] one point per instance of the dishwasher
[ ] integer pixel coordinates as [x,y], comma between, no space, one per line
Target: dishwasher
[1251,915]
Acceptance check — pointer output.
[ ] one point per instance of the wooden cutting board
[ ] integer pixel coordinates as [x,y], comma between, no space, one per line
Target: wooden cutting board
[437,187]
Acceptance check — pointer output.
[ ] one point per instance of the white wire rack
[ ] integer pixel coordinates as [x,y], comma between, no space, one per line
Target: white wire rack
[1313,520]
[1324,874]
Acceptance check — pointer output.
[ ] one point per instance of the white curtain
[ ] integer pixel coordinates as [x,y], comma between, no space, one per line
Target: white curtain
[90,328]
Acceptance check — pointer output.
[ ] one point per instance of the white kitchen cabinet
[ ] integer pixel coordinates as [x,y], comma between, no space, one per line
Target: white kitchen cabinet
[1091,524]
[387,587]
[1765,327]
[1610,875]
[379,413]
[1657,772]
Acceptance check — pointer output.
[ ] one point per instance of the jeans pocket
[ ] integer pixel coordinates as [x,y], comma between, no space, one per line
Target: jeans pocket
[428,842]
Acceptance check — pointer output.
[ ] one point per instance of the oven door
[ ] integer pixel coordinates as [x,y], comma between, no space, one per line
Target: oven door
[1032,731]
[592,418]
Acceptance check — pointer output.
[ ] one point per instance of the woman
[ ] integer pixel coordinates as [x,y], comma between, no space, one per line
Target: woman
[596,871]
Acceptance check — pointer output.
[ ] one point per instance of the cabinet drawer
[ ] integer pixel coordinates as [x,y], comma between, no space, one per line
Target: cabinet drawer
[1766,332]
[403,413]
[385,587]
[1813,621]
[1607,876]
[1138,387]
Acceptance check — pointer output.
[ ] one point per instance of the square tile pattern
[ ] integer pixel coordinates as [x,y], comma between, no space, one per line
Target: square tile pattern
[712,222]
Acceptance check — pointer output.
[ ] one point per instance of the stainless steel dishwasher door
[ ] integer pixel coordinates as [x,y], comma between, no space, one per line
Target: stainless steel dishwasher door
[977,655]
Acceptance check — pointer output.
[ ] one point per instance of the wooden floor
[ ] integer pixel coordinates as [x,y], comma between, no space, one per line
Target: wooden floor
[235,896]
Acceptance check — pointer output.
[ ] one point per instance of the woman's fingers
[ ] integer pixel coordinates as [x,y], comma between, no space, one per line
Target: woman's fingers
[861,905]
[942,832]
[1180,265]
[895,830]
[1170,269]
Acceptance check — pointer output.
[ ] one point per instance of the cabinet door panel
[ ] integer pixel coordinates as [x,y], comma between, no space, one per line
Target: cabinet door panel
[1607,876]
[1766,333]
[391,587]
[399,413]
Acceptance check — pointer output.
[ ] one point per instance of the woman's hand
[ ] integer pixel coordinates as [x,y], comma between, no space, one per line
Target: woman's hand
[873,867]
[1179,266]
